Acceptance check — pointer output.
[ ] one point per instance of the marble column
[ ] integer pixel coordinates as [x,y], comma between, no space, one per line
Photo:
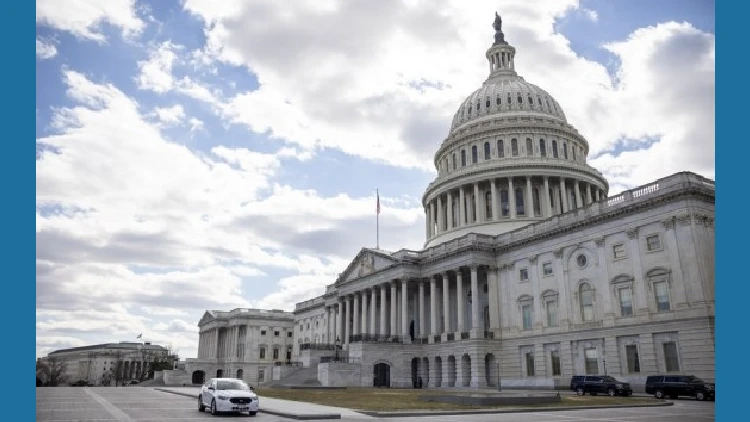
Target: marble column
[446,304]
[577,189]
[339,322]
[394,303]
[477,210]
[405,309]
[439,211]
[383,310]
[474,299]
[588,193]
[530,193]
[422,324]
[512,198]
[461,207]
[449,212]
[460,302]
[493,288]
[433,305]
[355,318]
[347,313]
[493,198]
[373,310]
[364,312]
[547,202]
[433,230]
[564,195]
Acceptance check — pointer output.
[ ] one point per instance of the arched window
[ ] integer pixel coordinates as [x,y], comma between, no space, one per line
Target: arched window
[587,302]
[455,162]
[514,147]
[520,209]
[565,150]
[531,101]
[473,207]
[463,158]
[500,149]
[529,147]
[554,148]
[537,202]
[486,150]
[542,148]
[468,111]
[498,101]
[487,103]
[573,149]
[509,100]
[474,154]
[520,99]
[488,205]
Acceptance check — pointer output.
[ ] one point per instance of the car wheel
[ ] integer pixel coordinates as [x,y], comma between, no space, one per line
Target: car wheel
[659,394]
[213,407]
[580,391]
[252,413]
[611,392]
[201,407]
[700,396]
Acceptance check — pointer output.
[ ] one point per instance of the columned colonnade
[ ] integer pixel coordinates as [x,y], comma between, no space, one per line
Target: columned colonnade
[491,200]
[389,308]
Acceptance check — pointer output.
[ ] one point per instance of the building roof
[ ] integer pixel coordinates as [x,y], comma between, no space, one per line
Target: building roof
[121,345]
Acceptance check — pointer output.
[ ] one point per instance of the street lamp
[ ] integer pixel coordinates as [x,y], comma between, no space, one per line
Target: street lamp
[338,344]
[604,361]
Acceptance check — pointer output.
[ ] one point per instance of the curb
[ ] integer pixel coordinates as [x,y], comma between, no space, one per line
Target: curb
[495,411]
[302,417]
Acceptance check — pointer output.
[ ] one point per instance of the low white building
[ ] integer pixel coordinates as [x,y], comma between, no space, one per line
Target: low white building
[109,364]
[242,343]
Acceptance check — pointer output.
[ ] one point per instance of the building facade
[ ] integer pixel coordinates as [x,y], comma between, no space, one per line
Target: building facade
[531,273]
[109,364]
[242,343]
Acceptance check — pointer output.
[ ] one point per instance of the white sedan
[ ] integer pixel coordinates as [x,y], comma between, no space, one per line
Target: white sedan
[227,395]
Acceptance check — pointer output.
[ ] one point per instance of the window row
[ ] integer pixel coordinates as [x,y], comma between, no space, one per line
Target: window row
[520,100]
[592,361]
[659,287]
[531,149]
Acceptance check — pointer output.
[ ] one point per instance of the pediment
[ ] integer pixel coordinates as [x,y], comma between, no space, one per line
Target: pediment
[207,316]
[366,262]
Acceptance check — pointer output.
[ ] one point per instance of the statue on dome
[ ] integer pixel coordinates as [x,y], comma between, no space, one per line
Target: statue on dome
[498,25]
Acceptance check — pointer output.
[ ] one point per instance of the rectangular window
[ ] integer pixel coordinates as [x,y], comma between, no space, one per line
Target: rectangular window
[547,268]
[626,301]
[523,274]
[529,147]
[591,361]
[556,370]
[289,334]
[552,313]
[634,362]
[486,150]
[514,147]
[504,202]
[671,362]
[542,148]
[263,332]
[262,352]
[619,251]
[530,364]
[474,158]
[275,354]
[275,333]
[527,322]
[261,375]
[653,243]
[662,296]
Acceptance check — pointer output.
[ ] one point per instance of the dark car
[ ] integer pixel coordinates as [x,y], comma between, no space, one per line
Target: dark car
[595,384]
[673,386]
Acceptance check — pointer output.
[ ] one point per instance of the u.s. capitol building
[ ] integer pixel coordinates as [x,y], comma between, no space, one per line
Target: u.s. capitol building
[530,272]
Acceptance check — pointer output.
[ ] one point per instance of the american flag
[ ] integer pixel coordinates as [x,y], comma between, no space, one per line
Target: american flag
[140,335]
[378,195]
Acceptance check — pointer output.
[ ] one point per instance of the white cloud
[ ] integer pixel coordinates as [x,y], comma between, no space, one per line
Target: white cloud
[196,125]
[84,18]
[170,116]
[590,14]
[44,49]
[156,72]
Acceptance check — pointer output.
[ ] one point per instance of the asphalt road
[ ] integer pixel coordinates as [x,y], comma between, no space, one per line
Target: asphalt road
[145,404]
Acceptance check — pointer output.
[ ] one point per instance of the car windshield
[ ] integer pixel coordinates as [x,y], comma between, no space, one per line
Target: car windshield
[610,379]
[694,379]
[232,385]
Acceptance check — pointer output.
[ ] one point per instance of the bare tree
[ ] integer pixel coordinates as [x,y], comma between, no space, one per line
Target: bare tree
[119,367]
[52,373]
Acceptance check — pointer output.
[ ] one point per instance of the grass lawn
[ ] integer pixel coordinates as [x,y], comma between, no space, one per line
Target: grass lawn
[376,399]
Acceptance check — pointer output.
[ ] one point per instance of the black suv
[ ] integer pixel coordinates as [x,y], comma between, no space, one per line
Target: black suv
[673,386]
[595,384]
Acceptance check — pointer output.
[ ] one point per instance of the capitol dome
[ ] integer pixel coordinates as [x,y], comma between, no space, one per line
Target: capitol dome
[510,159]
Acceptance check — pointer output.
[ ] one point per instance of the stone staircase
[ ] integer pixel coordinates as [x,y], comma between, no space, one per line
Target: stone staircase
[303,377]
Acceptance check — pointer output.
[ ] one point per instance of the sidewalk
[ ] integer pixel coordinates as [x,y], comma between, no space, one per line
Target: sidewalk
[284,408]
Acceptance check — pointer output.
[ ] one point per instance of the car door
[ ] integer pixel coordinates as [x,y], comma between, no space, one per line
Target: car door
[210,392]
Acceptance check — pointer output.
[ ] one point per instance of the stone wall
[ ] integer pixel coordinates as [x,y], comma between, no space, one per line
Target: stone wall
[336,374]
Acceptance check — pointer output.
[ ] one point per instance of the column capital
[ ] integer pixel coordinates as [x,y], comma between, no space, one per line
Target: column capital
[668,224]
[599,241]
[632,233]
[533,258]
[558,253]
[684,219]
[492,268]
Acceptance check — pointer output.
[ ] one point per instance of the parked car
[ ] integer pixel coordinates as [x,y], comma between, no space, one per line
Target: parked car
[595,384]
[228,395]
[673,386]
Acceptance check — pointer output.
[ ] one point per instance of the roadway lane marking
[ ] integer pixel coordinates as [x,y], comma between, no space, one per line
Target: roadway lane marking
[113,410]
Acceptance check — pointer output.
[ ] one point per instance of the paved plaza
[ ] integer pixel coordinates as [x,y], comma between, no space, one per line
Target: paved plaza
[69,404]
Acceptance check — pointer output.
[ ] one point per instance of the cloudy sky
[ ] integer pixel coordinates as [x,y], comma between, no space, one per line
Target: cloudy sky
[201,154]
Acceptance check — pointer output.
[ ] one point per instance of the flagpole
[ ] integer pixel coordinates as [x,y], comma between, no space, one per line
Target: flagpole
[377,221]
